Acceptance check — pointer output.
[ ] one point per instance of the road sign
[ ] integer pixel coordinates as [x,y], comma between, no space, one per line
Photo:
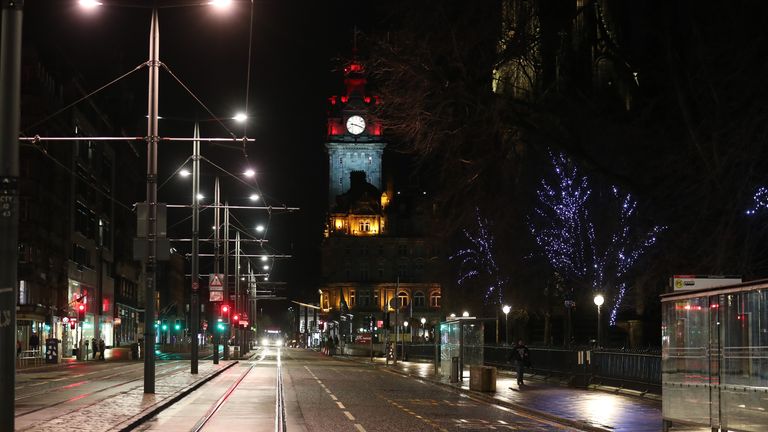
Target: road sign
[214,281]
[216,296]
[195,285]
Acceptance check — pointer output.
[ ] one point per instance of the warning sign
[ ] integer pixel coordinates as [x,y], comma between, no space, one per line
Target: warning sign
[216,296]
[214,281]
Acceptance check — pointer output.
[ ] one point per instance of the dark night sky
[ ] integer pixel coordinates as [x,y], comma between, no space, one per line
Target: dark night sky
[294,44]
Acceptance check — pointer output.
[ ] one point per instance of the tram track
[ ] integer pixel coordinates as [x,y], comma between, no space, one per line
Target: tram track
[216,407]
[167,372]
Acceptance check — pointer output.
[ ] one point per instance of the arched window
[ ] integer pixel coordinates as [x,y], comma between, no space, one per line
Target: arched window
[418,299]
[434,300]
[402,299]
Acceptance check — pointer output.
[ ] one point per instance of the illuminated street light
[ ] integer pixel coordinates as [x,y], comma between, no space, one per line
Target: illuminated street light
[240,117]
[200,197]
[220,4]
[423,321]
[254,197]
[90,4]
[185,173]
[259,228]
[266,267]
[599,300]
[452,315]
[249,173]
[264,258]
[506,309]
[465,314]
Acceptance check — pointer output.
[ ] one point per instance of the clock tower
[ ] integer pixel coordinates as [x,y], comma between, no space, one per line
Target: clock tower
[354,140]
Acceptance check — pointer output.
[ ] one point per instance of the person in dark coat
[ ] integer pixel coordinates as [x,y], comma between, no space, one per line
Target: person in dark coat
[522,358]
[102,348]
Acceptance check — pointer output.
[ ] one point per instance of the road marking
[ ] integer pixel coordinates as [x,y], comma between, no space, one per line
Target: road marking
[360,427]
[349,415]
[341,405]
[327,391]
[334,397]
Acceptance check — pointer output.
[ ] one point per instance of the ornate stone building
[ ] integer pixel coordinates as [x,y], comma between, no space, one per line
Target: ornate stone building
[378,242]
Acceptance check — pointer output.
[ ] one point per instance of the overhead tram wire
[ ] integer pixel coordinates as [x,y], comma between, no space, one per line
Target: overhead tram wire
[125,75]
[248,82]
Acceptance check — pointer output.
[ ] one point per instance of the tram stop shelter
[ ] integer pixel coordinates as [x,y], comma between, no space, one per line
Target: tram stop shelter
[461,346]
[715,357]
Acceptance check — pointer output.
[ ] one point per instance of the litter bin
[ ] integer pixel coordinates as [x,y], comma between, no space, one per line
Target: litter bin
[482,378]
[454,369]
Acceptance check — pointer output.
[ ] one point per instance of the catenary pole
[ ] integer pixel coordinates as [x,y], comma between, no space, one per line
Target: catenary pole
[216,243]
[228,333]
[151,272]
[194,300]
[10,106]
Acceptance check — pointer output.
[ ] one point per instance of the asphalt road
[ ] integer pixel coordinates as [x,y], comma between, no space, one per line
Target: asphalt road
[325,394]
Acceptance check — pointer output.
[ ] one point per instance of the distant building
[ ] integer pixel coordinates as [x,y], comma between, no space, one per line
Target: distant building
[377,245]
[75,215]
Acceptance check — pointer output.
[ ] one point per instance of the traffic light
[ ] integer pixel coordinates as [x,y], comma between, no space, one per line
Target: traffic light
[221,326]
[81,312]
[177,326]
[225,313]
[164,325]
[235,319]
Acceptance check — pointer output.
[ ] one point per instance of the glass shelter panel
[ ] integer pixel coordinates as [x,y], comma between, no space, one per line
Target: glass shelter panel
[685,364]
[449,345]
[744,371]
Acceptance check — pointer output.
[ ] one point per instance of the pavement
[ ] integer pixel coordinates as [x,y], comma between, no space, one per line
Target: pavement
[592,410]
[124,409]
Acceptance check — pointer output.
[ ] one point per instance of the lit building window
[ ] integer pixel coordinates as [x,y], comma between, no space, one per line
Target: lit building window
[326,302]
[402,299]
[352,298]
[23,292]
[365,226]
[434,300]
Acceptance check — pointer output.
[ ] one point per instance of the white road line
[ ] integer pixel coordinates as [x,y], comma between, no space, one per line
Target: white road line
[360,427]
[334,397]
[341,405]
[327,391]
[349,415]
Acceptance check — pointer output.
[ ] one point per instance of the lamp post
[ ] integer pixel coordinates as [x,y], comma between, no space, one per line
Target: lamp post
[599,300]
[10,108]
[423,333]
[506,309]
[405,324]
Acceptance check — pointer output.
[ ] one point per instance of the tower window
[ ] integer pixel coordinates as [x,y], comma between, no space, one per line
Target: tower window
[352,298]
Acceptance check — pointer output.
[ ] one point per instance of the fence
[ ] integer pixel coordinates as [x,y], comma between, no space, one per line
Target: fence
[638,370]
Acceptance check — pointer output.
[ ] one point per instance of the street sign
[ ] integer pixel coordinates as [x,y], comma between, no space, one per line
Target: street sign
[216,296]
[214,280]
[694,282]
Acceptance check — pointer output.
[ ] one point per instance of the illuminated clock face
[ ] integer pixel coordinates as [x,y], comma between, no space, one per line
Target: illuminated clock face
[355,125]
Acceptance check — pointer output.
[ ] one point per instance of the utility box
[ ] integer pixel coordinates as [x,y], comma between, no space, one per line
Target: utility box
[482,378]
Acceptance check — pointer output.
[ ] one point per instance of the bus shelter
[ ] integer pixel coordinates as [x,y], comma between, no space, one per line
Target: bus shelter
[461,346]
[715,357]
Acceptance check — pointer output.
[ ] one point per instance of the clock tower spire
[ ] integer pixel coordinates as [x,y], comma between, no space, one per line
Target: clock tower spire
[354,140]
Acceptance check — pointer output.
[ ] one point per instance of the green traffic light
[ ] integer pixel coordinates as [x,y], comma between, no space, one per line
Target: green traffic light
[221,326]
[165,327]
[177,327]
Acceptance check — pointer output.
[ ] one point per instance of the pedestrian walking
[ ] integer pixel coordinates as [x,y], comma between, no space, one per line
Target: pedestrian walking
[102,348]
[522,358]
[94,348]
[34,341]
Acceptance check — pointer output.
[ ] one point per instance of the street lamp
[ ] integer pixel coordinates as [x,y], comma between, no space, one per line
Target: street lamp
[465,314]
[506,309]
[599,300]
[423,333]
[153,64]
[254,197]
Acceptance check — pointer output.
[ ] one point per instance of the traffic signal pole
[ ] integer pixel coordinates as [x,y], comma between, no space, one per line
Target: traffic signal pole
[10,105]
[228,330]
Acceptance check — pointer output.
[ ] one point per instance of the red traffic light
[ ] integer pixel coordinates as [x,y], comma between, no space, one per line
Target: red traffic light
[236,319]
[81,307]
[224,308]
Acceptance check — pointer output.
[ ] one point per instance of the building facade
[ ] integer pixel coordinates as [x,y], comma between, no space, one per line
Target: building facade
[71,204]
[378,255]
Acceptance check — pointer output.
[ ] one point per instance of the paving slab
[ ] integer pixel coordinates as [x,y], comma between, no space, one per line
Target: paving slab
[129,408]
